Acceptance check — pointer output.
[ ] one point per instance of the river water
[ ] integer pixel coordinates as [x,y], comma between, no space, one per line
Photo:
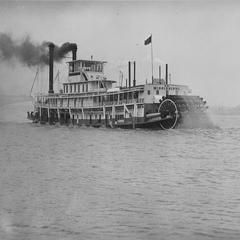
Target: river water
[64,183]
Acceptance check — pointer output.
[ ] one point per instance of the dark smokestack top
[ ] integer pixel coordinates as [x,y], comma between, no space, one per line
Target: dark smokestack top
[51,45]
[74,46]
[74,52]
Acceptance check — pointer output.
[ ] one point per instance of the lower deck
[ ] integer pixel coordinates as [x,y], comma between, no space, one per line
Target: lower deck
[127,115]
[168,113]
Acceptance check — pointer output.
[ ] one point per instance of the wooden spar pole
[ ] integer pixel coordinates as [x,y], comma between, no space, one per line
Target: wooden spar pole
[36,76]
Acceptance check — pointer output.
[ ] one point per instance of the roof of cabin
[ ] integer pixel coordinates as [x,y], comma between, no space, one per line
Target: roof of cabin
[91,80]
[87,61]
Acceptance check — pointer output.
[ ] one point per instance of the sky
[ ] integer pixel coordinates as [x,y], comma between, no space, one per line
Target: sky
[200,40]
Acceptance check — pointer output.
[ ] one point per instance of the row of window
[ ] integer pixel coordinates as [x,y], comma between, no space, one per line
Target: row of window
[99,116]
[76,66]
[169,88]
[173,88]
[157,91]
[160,88]
[75,88]
[149,92]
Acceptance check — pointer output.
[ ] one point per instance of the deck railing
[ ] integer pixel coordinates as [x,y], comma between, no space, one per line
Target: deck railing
[74,103]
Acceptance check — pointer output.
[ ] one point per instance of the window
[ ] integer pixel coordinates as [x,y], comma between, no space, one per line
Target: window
[149,92]
[70,88]
[135,95]
[70,67]
[101,85]
[157,92]
[66,88]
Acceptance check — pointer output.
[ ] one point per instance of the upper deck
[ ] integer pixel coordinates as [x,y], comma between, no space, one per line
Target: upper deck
[86,76]
[86,79]
[77,66]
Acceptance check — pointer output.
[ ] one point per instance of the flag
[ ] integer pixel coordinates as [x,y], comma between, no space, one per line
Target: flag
[147,41]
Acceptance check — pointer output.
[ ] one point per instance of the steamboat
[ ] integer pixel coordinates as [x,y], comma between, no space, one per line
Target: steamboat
[89,98]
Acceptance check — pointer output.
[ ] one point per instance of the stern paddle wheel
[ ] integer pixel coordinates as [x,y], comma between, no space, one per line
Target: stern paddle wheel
[176,108]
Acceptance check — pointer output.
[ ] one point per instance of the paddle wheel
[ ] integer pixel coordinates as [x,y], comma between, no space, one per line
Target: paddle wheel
[178,109]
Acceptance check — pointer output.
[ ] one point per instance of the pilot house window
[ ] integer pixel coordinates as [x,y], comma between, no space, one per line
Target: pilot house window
[71,67]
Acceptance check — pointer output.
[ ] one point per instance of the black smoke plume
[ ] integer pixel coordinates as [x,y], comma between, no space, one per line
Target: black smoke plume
[29,53]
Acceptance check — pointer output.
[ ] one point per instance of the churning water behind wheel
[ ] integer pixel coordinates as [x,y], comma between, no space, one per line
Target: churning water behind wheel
[169,114]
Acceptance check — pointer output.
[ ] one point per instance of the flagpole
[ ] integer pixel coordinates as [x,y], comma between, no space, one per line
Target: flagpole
[152,56]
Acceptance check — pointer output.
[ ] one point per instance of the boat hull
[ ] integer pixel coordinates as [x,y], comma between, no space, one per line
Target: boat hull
[184,120]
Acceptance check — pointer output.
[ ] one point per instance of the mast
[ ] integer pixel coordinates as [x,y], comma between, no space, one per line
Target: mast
[146,42]
[152,57]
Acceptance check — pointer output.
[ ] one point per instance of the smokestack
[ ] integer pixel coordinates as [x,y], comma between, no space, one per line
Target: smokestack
[134,73]
[160,73]
[51,52]
[166,74]
[129,74]
[74,53]
[166,79]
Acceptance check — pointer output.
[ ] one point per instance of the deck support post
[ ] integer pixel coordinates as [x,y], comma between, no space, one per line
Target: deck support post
[125,110]
[113,111]
[105,116]
[104,112]
[40,114]
[113,114]
[48,114]
[73,117]
[83,117]
[134,114]
[58,113]
[70,114]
